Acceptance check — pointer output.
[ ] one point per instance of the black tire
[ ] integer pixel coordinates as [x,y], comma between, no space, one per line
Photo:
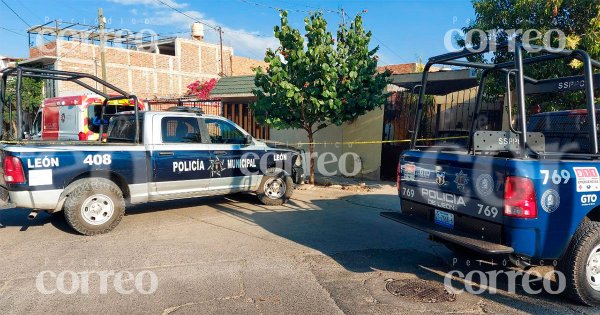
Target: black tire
[271,176]
[97,193]
[574,261]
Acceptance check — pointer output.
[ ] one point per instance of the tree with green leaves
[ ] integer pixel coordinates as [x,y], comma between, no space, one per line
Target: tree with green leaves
[578,20]
[312,82]
[31,98]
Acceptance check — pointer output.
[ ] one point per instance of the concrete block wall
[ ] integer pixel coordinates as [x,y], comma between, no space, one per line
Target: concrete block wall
[149,75]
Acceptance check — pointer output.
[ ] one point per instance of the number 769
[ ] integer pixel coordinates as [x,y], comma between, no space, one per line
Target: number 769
[557,178]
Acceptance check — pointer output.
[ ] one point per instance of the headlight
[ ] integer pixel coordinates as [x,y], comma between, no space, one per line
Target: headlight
[298,161]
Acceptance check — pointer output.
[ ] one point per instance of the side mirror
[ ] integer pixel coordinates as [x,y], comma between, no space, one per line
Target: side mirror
[249,139]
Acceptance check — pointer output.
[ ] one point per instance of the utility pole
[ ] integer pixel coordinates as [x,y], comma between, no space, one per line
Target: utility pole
[101,27]
[343,17]
[221,44]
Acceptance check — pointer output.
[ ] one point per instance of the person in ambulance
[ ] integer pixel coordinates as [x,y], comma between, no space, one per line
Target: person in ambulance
[75,117]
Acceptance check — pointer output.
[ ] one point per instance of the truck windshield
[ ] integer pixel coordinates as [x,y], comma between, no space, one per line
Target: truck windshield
[564,130]
[95,111]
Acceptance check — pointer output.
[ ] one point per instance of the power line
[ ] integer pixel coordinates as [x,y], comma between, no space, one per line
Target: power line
[388,48]
[244,33]
[12,31]
[283,9]
[17,14]
[30,11]
[216,28]
[213,27]
[91,30]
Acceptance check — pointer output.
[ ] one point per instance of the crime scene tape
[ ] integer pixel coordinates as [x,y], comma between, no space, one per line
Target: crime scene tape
[369,142]
[81,142]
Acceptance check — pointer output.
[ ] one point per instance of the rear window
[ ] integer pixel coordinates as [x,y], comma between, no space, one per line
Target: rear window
[563,131]
[95,112]
[122,129]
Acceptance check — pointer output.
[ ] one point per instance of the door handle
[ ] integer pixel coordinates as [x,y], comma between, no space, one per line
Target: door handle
[220,152]
[165,153]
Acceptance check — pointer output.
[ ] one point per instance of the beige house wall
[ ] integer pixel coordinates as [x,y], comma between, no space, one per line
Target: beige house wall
[368,127]
[329,134]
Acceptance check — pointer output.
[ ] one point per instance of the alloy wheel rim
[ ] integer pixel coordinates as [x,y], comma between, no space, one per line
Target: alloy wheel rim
[275,188]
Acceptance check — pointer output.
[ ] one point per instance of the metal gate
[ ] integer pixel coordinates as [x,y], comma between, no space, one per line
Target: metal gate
[397,117]
[239,113]
[210,107]
[444,116]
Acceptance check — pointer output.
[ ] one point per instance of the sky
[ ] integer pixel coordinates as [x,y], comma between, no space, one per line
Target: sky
[405,30]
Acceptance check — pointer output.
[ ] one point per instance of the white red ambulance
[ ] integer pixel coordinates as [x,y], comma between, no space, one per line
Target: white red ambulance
[75,117]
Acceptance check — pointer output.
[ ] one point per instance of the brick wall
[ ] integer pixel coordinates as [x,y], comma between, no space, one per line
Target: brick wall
[209,60]
[148,75]
[48,49]
[244,66]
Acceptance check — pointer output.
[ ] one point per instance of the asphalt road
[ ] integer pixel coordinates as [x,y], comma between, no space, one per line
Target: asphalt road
[326,252]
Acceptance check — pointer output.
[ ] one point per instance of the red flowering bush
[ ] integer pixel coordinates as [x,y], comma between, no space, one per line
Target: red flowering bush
[201,90]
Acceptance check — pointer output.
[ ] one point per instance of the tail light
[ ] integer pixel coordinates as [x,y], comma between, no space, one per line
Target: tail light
[519,198]
[398,175]
[82,136]
[13,170]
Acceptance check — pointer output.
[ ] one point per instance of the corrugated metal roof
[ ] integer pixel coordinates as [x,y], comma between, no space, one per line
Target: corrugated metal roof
[238,86]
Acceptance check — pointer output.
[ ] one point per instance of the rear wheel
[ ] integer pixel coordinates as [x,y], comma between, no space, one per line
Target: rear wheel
[581,265]
[276,188]
[96,206]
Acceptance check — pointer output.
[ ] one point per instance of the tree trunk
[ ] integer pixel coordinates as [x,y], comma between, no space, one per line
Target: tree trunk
[311,150]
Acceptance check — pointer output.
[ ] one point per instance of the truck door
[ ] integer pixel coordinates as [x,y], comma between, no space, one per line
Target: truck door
[180,158]
[233,165]
[68,122]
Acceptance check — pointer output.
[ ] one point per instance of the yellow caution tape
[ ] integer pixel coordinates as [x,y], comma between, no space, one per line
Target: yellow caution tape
[377,142]
[66,142]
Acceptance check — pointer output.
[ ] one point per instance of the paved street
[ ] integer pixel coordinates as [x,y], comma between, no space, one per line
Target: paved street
[328,252]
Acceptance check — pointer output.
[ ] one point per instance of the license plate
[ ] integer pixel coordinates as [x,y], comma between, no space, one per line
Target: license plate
[444,219]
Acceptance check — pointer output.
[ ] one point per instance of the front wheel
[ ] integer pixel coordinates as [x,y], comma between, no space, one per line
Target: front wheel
[276,188]
[581,265]
[96,206]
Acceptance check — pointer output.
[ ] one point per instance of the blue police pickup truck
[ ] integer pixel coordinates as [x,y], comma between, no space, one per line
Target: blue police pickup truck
[528,189]
[177,155]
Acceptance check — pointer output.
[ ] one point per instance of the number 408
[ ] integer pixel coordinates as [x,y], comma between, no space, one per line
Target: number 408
[98,159]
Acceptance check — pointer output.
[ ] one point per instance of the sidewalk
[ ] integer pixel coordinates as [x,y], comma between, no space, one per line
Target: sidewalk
[347,183]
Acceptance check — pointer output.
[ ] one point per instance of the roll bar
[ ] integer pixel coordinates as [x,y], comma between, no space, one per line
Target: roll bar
[515,68]
[24,72]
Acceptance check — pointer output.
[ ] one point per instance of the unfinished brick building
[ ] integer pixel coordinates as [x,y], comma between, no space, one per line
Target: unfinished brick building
[147,67]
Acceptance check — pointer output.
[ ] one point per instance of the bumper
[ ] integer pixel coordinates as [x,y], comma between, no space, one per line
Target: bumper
[41,199]
[298,175]
[444,234]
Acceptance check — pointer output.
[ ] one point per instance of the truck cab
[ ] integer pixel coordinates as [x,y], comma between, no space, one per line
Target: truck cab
[528,190]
